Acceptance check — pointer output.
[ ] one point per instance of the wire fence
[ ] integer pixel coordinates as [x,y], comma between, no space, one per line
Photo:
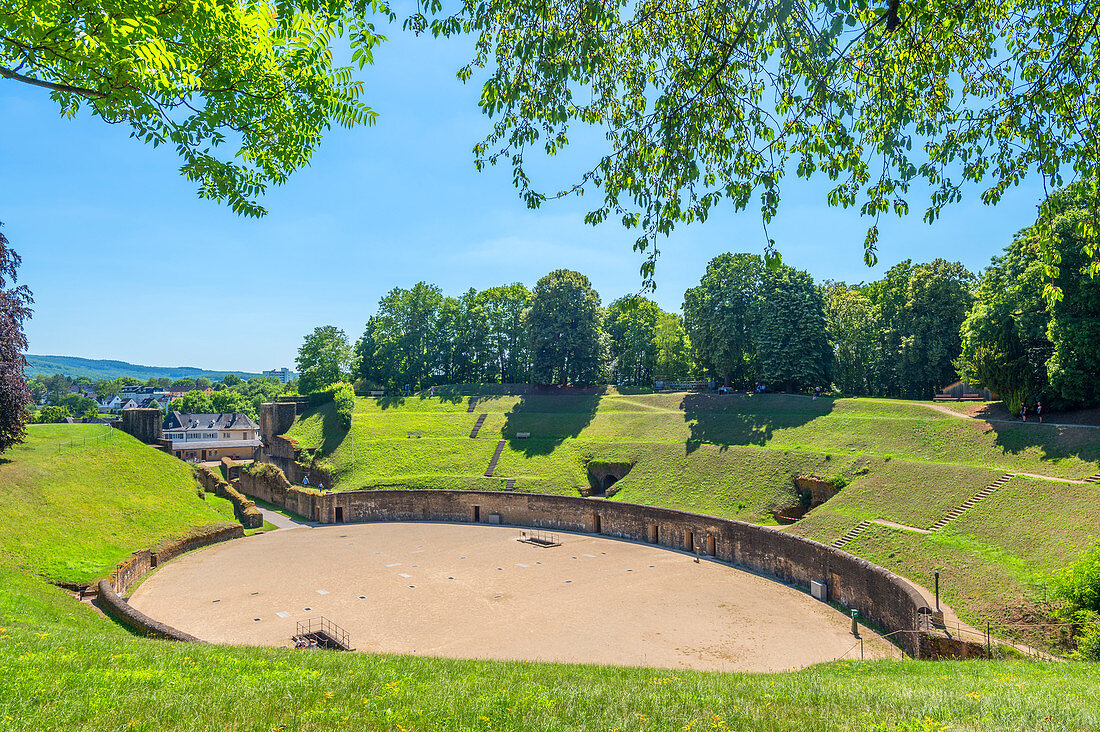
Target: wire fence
[1050,641]
[79,443]
[1046,641]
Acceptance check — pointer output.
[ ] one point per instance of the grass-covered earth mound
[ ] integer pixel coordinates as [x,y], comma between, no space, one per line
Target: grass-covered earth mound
[737,455]
[71,516]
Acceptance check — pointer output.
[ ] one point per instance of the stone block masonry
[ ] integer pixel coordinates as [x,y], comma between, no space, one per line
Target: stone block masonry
[275,419]
[143,424]
[244,509]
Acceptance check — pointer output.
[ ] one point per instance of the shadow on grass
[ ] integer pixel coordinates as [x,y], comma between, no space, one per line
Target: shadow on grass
[1055,442]
[550,415]
[737,419]
[332,433]
[454,393]
[392,401]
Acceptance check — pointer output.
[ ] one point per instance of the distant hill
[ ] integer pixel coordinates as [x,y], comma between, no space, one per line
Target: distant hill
[104,369]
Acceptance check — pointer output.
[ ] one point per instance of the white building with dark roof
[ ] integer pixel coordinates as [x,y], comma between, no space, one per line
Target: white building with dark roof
[198,437]
[144,393]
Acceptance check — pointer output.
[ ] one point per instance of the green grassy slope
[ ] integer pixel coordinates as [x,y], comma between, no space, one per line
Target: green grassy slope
[67,668]
[996,559]
[653,429]
[55,503]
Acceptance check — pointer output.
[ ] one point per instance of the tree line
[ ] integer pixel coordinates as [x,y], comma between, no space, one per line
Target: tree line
[746,323]
[556,333]
[751,322]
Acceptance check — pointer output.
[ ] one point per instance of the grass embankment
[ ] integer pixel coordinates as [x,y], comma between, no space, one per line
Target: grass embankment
[66,667]
[55,505]
[725,450]
[736,455]
[996,560]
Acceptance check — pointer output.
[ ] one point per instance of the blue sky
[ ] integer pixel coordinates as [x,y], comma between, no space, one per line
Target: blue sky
[126,262]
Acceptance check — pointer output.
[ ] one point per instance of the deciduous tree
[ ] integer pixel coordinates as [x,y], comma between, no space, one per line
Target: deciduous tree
[1074,367]
[228,400]
[15,302]
[673,347]
[631,325]
[789,334]
[563,326]
[718,316]
[709,101]
[53,415]
[323,358]
[504,307]
[193,402]
[1004,337]
[259,76]
[851,323]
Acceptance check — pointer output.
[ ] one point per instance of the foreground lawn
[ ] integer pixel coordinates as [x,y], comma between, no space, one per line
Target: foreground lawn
[66,668]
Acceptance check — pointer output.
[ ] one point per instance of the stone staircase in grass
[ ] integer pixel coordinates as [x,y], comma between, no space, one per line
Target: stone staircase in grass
[1093,478]
[471,405]
[493,462]
[510,485]
[477,426]
[973,501]
[847,538]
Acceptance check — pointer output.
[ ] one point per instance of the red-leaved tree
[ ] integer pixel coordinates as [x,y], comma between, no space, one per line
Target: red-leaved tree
[15,301]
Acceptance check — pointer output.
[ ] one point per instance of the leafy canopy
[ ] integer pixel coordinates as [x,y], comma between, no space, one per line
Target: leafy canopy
[15,308]
[705,101]
[257,75]
[194,402]
[323,358]
[563,330]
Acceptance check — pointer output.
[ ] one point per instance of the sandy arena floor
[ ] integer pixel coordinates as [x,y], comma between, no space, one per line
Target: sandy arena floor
[474,591]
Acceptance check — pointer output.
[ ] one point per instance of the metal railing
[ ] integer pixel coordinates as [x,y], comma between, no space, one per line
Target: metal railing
[323,626]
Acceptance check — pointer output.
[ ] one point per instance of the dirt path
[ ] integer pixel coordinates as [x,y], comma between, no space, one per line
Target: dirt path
[952,413]
[282,521]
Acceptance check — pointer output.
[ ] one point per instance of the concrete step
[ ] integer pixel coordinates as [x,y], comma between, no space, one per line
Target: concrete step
[477,426]
[471,405]
[493,462]
[1093,478]
[847,538]
[974,500]
[510,485]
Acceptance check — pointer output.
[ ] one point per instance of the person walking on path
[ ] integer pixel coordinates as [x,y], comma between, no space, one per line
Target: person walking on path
[1039,411]
[1023,412]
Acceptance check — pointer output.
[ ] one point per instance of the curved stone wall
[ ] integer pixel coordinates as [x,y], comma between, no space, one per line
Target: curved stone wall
[881,597]
[140,563]
[134,619]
